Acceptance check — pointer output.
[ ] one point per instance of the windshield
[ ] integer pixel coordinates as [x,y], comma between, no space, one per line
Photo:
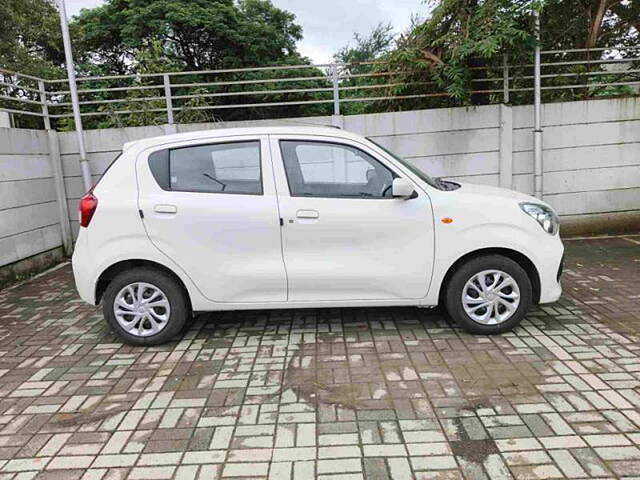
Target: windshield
[434,182]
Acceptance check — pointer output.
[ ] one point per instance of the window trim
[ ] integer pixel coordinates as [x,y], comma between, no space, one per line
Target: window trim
[205,144]
[340,144]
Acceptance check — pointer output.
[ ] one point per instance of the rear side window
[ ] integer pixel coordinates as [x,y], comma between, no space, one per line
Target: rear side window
[159,164]
[216,168]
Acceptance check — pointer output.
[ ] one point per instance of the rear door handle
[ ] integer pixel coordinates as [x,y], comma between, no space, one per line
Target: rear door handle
[308,214]
[165,209]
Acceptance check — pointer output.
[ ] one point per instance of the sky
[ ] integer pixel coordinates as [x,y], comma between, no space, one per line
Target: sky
[328,25]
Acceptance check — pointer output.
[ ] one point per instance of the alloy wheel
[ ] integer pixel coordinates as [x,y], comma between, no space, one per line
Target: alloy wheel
[490,297]
[141,309]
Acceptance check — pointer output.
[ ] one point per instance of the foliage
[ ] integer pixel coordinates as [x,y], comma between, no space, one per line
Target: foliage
[194,110]
[30,38]
[456,49]
[462,43]
[30,43]
[194,34]
[369,48]
[457,39]
[590,23]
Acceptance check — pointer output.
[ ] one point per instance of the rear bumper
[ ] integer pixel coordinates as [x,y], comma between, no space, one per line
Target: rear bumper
[80,263]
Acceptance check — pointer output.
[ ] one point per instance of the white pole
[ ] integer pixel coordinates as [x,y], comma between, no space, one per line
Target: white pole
[537,129]
[336,89]
[84,164]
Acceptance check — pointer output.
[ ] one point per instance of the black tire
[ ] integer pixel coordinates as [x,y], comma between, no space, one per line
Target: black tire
[457,282]
[173,291]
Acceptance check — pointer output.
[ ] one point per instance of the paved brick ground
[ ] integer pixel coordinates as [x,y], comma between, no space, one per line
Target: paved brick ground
[343,394]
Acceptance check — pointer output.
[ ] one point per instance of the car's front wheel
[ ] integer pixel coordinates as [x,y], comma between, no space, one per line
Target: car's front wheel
[489,294]
[145,306]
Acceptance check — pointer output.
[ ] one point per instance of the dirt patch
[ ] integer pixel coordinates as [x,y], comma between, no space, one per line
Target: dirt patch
[315,385]
[472,450]
[475,451]
[85,416]
[376,376]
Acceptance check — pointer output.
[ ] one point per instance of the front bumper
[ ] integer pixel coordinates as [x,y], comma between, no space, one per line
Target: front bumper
[560,268]
[550,267]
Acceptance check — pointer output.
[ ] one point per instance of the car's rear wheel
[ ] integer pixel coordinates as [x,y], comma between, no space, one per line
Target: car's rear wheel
[145,306]
[489,294]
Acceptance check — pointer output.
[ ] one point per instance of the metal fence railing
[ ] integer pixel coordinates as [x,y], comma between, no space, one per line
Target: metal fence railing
[294,90]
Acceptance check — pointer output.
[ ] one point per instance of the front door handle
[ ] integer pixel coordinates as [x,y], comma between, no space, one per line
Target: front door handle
[312,214]
[165,209]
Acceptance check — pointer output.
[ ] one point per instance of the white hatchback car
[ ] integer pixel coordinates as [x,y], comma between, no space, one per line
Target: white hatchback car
[296,217]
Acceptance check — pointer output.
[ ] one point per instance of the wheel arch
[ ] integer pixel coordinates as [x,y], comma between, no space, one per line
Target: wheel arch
[110,273]
[518,257]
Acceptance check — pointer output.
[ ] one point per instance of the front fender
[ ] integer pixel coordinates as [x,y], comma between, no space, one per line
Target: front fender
[543,250]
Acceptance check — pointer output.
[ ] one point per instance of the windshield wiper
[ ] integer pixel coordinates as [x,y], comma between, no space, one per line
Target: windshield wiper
[224,185]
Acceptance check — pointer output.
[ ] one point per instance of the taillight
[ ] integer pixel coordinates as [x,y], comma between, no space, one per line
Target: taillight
[88,205]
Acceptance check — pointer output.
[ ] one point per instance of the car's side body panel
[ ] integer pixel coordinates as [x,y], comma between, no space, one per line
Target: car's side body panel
[228,243]
[353,248]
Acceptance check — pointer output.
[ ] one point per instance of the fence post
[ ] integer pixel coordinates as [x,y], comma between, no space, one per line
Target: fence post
[506,146]
[167,98]
[45,107]
[336,89]
[505,79]
[61,191]
[5,120]
[537,110]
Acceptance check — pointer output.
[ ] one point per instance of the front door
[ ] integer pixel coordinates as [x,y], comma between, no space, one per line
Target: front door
[211,207]
[344,237]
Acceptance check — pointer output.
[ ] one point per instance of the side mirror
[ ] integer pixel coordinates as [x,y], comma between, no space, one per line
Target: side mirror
[402,188]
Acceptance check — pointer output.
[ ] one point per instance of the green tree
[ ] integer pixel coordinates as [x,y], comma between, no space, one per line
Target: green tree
[30,43]
[453,45]
[195,34]
[369,47]
[358,60]
[461,43]
[590,23]
[30,38]
[598,24]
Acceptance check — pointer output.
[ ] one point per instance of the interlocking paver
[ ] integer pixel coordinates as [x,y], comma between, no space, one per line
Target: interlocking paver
[375,393]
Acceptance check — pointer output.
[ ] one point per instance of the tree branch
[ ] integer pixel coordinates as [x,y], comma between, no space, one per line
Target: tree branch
[596,24]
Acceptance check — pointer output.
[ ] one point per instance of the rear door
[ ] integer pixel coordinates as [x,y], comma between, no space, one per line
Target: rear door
[345,238]
[211,207]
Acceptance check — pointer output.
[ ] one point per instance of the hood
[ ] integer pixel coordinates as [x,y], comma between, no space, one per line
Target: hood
[485,190]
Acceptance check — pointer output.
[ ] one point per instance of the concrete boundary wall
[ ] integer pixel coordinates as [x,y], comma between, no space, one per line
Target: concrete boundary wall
[30,221]
[591,154]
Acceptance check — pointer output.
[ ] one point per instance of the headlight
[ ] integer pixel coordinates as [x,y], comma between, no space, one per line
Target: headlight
[542,214]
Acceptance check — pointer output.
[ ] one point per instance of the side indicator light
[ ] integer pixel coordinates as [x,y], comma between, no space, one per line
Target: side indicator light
[446,220]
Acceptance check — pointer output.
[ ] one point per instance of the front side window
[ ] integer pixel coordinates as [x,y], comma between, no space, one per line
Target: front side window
[321,169]
[215,168]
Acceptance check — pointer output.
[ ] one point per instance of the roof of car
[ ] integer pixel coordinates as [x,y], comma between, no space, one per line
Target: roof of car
[233,132]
